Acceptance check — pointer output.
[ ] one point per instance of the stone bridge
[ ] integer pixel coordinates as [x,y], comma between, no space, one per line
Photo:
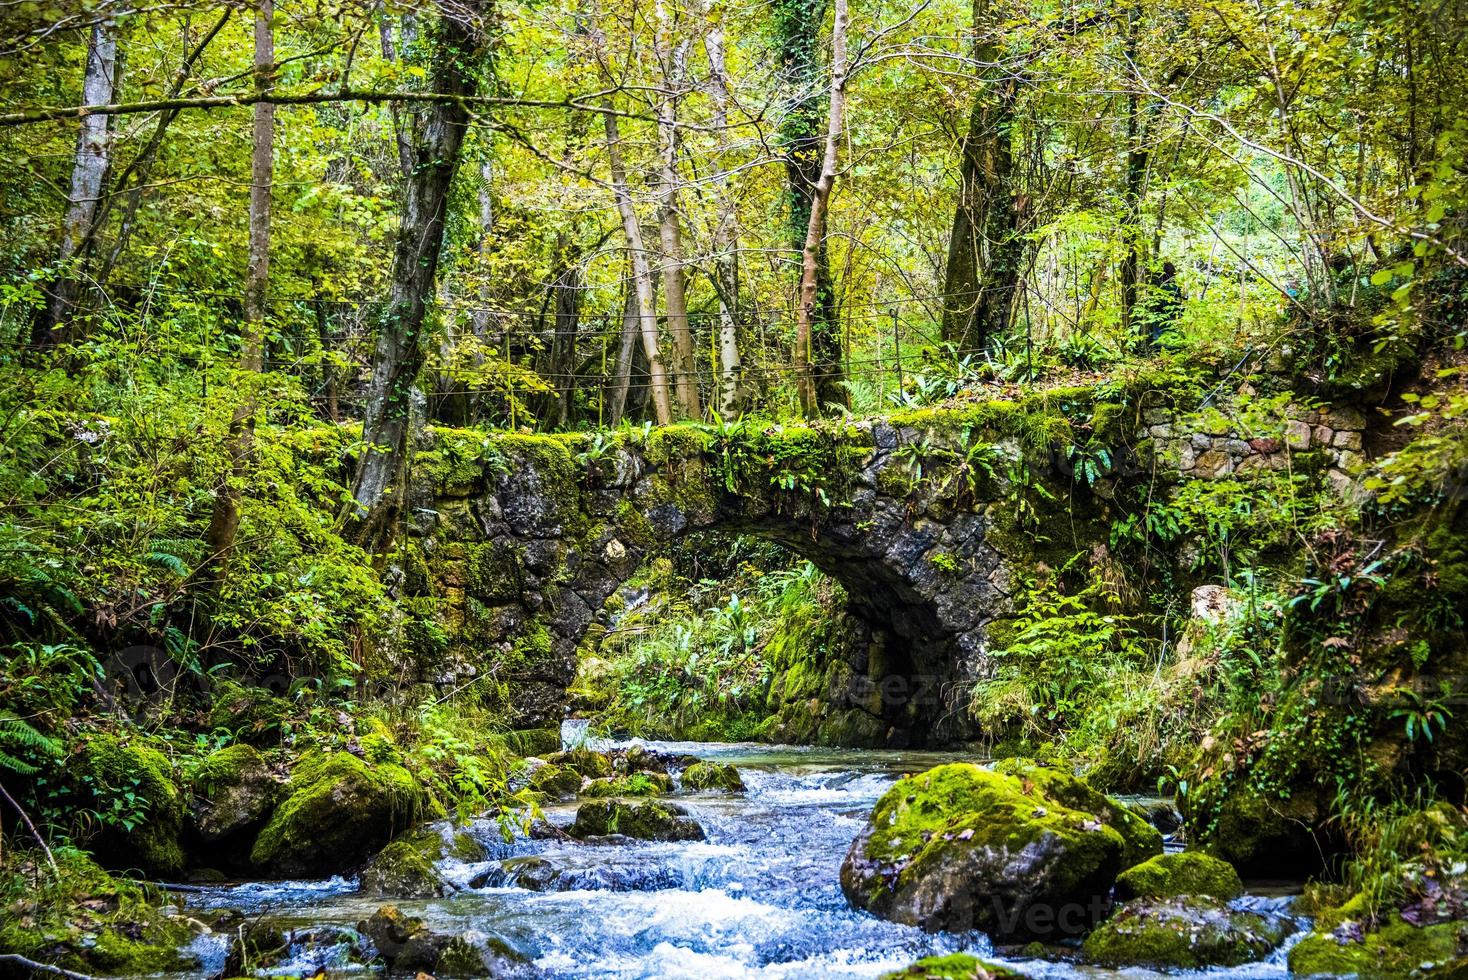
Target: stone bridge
[930,519]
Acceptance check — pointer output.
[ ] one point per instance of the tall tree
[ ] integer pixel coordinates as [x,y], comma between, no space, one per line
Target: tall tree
[985,247]
[673,54]
[90,161]
[224,522]
[797,33]
[379,488]
[808,360]
[726,225]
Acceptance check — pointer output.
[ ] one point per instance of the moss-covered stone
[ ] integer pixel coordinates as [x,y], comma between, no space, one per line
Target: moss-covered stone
[960,847]
[1260,835]
[113,769]
[1141,839]
[234,790]
[708,775]
[954,966]
[635,784]
[84,920]
[644,821]
[338,811]
[408,867]
[554,780]
[534,741]
[1192,933]
[250,714]
[591,764]
[1185,873]
[1396,949]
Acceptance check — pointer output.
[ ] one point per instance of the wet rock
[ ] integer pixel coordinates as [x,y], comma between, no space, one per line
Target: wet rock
[1395,949]
[1009,853]
[955,966]
[234,791]
[1263,836]
[1185,873]
[408,867]
[640,759]
[270,945]
[554,780]
[636,784]
[407,945]
[541,874]
[340,809]
[1176,933]
[592,765]
[712,776]
[644,821]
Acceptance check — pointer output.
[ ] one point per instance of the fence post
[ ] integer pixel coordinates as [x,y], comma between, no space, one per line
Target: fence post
[897,348]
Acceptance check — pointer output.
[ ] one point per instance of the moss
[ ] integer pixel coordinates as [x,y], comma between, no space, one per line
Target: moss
[1397,949]
[493,571]
[408,867]
[339,810]
[935,839]
[637,784]
[712,776]
[645,821]
[533,741]
[1192,934]
[85,920]
[115,770]
[251,714]
[1141,839]
[553,780]
[1186,873]
[955,966]
[588,763]
[226,767]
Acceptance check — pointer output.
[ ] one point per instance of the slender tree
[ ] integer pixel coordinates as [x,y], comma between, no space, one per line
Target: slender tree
[813,252]
[90,162]
[726,226]
[224,522]
[378,490]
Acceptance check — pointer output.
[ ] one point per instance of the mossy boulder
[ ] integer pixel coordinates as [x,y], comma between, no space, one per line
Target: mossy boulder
[960,847]
[409,866]
[534,741]
[234,790]
[113,769]
[592,765]
[636,784]
[712,776]
[250,714]
[1262,835]
[82,919]
[406,945]
[1141,839]
[644,821]
[339,810]
[954,966]
[1185,873]
[1176,933]
[1396,949]
[554,780]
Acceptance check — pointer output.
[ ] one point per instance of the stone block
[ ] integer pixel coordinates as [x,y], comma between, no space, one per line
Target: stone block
[1213,465]
[1347,440]
[1297,434]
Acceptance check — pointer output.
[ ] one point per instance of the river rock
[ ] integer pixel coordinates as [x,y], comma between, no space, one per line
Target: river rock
[1183,933]
[645,821]
[960,847]
[340,809]
[955,966]
[592,765]
[408,867]
[1185,873]
[634,784]
[1396,948]
[712,776]
[234,790]
[408,946]
[554,780]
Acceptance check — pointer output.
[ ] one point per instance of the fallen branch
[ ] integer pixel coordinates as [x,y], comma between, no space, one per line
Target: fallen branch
[32,828]
[32,965]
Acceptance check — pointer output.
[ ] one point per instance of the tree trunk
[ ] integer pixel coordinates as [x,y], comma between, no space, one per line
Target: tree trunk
[985,250]
[726,234]
[224,523]
[559,364]
[89,171]
[674,58]
[379,488]
[622,373]
[813,254]
[641,276]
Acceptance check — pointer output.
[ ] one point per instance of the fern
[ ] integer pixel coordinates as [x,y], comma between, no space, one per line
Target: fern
[22,738]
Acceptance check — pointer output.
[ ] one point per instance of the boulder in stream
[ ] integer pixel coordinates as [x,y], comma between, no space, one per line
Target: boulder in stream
[406,945]
[234,790]
[408,867]
[340,809]
[1191,933]
[955,966]
[635,784]
[1183,873]
[592,765]
[712,776]
[960,847]
[645,821]
[557,781]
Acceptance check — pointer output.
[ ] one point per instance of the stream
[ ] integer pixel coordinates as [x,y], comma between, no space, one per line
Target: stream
[759,898]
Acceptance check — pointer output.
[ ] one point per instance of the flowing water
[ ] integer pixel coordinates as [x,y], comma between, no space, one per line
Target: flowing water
[759,898]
